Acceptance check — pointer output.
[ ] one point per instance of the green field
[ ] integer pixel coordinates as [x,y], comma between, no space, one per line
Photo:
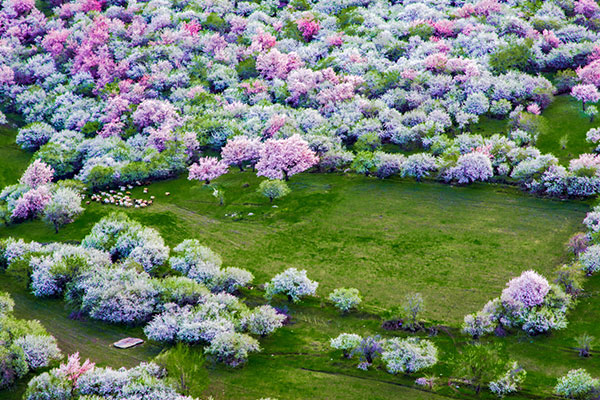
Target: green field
[458,246]
[13,160]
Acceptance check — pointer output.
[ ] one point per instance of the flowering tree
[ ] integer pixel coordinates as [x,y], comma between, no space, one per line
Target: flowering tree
[471,167]
[37,174]
[527,290]
[73,369]
[207,169]
[587,8]
[418,166]
[509,382]
[232,348]
[346,342]
[143,381]
[308,26]
[590,259]
[240,150]
[64,208]
[590,74]
[283,158]
[529,302]
[586,94]
[292,283]
[263,320]
[275,64]
[577,384]
[32,203]
[34,135]
[125,238]
[408,355]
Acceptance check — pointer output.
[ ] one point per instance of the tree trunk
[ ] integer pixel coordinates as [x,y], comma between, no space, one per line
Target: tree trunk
[271,199]
[55,227]
[285,176]
[241,167]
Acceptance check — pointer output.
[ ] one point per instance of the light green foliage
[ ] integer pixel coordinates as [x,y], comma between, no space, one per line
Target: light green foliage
[577,384]
[345,299]
[273,189]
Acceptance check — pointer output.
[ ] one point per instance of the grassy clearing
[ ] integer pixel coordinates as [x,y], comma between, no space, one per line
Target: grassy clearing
[456,245]
[13,160]
[564,118]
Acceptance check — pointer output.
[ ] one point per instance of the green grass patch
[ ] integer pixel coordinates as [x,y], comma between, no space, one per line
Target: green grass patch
[13,160]
[566,123]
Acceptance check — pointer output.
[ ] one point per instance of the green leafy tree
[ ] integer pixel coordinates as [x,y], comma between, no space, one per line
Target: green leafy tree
[512,57]
[273,189]
[479,364]
[185,367]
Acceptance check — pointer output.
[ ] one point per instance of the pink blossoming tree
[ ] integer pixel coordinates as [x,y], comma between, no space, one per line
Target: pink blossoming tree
[73,369]
[308,26]
[282,158]
[586,94]
[37,174]
[32,203]
[207,169]
[240,150]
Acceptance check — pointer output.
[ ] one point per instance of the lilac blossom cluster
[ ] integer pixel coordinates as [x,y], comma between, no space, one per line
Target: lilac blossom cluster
[529,302]
[36,196]
[112,276]
[26,346]
[398,355]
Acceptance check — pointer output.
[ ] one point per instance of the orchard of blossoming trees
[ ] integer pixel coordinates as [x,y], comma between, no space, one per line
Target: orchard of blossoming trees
[116,92]
[107,94]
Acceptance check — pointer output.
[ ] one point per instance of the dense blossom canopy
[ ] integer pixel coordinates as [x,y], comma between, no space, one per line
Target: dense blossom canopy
[282,158]
[527,290]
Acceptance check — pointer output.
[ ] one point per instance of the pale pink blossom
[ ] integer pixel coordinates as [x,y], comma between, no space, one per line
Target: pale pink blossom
[282,158]
[240,150]
[37,174]
[207,169]
[527,290]
[73,369]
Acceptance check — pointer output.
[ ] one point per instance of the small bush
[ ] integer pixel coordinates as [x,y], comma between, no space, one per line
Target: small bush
[345,299]
[577,384]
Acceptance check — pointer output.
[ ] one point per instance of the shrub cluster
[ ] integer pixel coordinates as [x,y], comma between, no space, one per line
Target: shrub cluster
[397,355]
[108,277]
[26,346]
[77,381]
